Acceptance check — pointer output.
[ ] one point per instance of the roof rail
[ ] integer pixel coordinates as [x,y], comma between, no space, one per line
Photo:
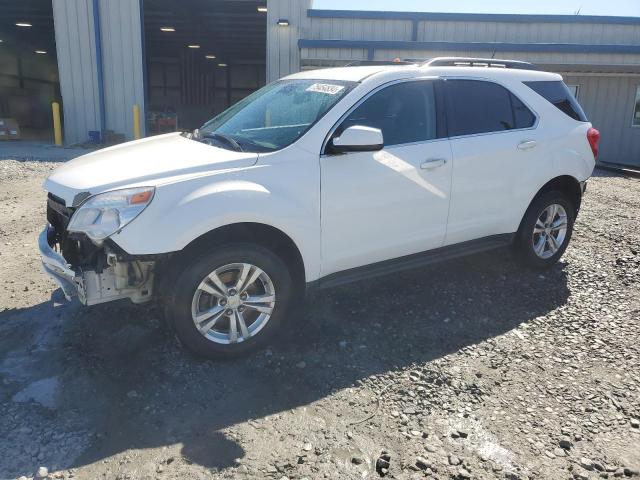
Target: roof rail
[368,63]
[479,62]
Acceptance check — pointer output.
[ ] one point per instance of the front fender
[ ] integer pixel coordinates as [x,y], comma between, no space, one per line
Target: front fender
[182,212]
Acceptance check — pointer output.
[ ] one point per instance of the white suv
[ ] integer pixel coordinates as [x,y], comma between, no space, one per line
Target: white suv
[321,178]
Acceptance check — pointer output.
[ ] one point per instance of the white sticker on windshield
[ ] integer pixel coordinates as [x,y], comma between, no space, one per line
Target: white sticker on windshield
[325,88]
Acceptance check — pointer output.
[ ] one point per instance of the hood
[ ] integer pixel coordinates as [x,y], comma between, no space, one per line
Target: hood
[149,162]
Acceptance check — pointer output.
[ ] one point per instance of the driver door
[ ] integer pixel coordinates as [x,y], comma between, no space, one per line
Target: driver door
[379,205]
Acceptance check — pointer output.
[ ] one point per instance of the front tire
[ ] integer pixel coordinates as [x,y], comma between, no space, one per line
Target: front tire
[546,230]
[229,302]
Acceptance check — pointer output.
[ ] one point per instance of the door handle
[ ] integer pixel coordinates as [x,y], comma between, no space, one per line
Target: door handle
[527,144]
[432,163]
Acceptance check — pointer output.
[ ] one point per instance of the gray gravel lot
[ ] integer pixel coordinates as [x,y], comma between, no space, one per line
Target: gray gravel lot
[470,369]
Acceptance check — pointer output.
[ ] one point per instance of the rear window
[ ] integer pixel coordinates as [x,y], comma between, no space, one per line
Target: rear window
[557,93]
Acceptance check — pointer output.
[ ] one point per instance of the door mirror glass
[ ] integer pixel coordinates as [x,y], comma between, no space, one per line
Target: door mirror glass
[358,138]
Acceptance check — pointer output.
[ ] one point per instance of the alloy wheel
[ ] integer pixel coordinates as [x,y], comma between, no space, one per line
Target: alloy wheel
[550,231]
[233,303]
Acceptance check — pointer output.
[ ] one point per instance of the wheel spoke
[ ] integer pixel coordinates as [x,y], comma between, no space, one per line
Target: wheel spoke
[551,213]
[561,222]
[242,277]
[260,299]
[553,244]
[260,303]
[538,229]
[243,325]
[213,276]
[233,329]
[259,308]
[539,246]
[210,290]
[254,276]
[212,315]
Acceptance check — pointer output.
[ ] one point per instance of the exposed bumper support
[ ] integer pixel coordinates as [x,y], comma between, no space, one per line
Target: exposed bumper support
[113,283]
[56,266]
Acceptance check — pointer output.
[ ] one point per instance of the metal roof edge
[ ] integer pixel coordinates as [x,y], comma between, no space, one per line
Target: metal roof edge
[470,46]
[474,17]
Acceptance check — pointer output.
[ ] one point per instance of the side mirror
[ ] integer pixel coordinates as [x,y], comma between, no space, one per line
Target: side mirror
[358,138]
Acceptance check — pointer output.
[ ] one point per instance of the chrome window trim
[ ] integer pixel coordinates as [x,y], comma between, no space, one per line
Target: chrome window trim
[365,98]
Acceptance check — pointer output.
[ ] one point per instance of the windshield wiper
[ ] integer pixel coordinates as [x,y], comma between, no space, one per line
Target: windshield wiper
[225,138]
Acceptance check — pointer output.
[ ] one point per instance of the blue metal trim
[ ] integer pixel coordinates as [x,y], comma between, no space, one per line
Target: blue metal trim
[371,54]
[414,29]
[145,73]
[472,17]
[471,46]
[99,68]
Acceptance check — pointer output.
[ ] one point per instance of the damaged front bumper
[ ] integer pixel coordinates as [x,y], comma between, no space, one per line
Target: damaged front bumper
[56,266]
[113,282]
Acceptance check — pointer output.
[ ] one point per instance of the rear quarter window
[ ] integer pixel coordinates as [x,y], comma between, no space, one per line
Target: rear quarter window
[558,94]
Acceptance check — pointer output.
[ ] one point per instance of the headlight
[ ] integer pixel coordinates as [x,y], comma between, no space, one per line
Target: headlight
[106,213]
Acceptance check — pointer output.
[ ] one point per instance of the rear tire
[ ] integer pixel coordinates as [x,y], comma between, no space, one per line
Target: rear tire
[546,230]
[229,302]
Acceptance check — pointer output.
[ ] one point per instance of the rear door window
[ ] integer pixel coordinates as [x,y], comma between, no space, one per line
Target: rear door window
[557,93]
[477,106]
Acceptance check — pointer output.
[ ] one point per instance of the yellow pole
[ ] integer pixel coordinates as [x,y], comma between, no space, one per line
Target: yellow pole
[57,130]
[136,122]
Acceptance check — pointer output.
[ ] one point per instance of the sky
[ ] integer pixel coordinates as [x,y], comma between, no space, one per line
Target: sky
[625,8]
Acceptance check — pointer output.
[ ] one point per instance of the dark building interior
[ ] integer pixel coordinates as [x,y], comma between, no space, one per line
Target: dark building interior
[201,57]
[28,69]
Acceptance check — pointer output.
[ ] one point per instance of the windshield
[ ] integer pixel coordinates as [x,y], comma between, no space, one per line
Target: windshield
[276,115]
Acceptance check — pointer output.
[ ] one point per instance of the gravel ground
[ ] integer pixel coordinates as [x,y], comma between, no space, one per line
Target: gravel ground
[26,150]
[470,369]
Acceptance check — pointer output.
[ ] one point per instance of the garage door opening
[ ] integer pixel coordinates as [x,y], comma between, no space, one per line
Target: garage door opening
[201,57]
[28,71]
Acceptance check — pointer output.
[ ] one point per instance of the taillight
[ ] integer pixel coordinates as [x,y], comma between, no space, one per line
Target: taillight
[593,136]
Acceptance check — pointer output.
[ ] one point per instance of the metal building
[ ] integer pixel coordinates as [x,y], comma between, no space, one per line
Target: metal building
[183,62]
[599,57]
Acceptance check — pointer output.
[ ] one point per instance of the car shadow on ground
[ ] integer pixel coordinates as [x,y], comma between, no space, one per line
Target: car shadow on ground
[122,370]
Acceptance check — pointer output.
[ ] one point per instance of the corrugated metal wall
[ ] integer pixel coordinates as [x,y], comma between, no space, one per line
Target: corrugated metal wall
[311,56]
[466,31]
[122,59]
[471,31]
[608,100]
[356,29]
[283,54]
[394,30]
[121,65]
[76,48]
